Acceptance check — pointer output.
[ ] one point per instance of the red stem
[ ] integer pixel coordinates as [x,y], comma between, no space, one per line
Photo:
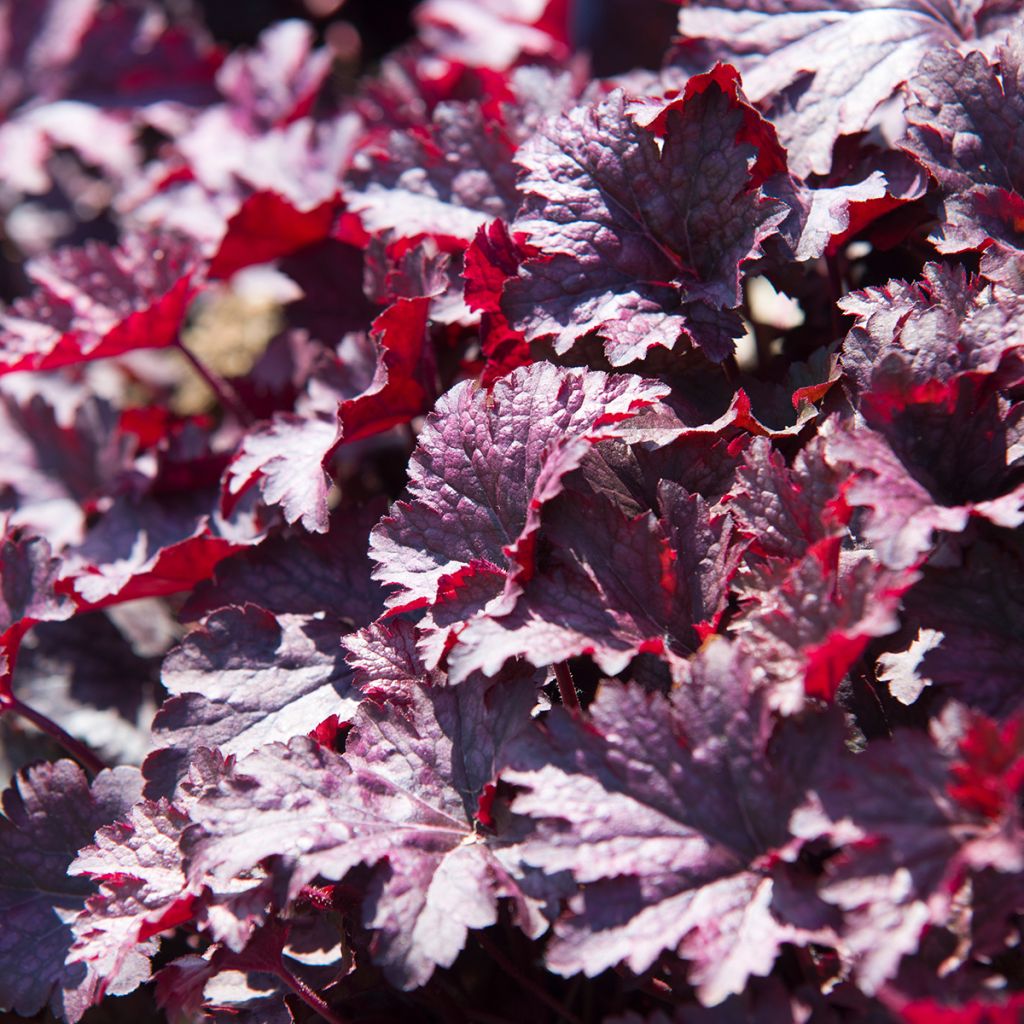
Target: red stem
[226,394]
[567,687]
[76,748]
[312,999]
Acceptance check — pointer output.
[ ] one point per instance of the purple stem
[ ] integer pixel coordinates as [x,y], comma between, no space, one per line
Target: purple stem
[76,748]
[226,394]
[567,687]
[312,999]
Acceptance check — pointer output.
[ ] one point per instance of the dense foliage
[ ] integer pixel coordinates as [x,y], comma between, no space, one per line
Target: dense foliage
[486,542]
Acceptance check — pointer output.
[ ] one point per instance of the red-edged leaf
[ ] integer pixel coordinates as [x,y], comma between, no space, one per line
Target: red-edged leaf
[624,585]
[405,793]
[953,98]
[266,227]
[245,678]
[825,69]
[484,467]
[639,241]
[98,301]
[671,815]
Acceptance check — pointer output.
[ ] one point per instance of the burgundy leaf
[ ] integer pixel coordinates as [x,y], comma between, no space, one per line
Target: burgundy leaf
[275,82]
[146,547]
[95,302]
[49,815]
[266,227]
[485,465]
[943,325]
[786,510]
[447,181]
[814,623]
[905,841]
[826,69]
[494,33]
[65,455]
[936,457]
[670,813]
[28,578]
[143,892]
[246,678]
[641,242]
[405,793]
[624,586]
[403,384]
[969,618]
[286,458]
[954,98]
[303,574]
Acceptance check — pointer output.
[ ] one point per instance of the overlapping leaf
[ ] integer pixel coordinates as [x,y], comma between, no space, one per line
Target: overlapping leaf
[246,678]
[630,584]
[642,239]
[485,465]
[100,301]
[829,69]
[672,814]
[956,98]
[50,815]
[404,796]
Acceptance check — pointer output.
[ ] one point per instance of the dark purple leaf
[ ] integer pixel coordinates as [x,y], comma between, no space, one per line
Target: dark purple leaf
[138,866]
[826,69]
[671,814]
[246,678]
[446,181]
[301,574]
[96,301]
[485,465]
[147,547]
[624,586]
[967,621]
[49,815]
[642,243]
[941,326]
[936,457]
[285,457]
[905,843]
[811,625]
[405,796]
[956,98]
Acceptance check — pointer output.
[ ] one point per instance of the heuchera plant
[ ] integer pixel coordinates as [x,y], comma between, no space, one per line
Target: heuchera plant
[480,542]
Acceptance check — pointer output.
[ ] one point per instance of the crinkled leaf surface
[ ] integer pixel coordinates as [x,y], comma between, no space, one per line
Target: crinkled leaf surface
[964,118]
[669,813]
[626,585]
[447,182]
[99,301]
[50,814]
[904,840]
[243,679]
[940,326]
[485,464]
[138,863]
[826,69]
[641,242]
[811,625]
[405,793]
[935,458]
